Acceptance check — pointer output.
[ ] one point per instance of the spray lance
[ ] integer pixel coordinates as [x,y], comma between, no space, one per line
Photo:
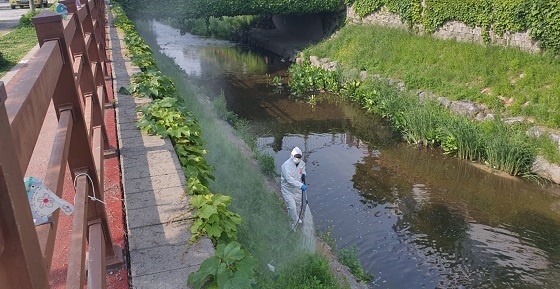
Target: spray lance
[303,204]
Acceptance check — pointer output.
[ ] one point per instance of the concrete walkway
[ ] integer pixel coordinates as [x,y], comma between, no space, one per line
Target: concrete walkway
[154,197]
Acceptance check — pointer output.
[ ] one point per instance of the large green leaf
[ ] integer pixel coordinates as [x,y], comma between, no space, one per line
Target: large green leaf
[207,211]
[223,277]
[198,201]
[247,265]
[207,270]
[221,199]
[239,280]
[213,230]
[232,252]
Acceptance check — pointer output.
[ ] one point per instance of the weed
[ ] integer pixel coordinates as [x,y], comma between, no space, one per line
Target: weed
[266,162]
[349,257]
[327,238]
[507,149]
[307,272]
[3,61]
[230,267]
[25,19]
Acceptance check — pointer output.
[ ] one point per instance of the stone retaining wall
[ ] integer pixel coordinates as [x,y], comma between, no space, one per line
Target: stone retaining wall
[449,30]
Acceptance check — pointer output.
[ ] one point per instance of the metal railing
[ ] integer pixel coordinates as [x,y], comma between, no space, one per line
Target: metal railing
[70,69]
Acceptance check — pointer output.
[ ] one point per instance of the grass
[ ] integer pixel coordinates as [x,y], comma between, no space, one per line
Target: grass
[489,74]
[305,272]
[265,230]
[14,45]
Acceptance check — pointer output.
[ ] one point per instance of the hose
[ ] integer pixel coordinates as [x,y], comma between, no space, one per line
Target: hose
[302,203]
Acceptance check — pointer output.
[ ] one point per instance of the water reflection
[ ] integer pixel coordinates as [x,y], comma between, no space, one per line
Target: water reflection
[419,218]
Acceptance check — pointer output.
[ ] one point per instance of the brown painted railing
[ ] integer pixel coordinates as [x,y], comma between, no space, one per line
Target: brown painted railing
[69,69]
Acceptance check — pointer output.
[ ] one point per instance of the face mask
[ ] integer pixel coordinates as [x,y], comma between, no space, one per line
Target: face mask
[296,160]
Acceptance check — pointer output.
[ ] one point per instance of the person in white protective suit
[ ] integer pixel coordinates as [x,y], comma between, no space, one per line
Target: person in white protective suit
[292,183]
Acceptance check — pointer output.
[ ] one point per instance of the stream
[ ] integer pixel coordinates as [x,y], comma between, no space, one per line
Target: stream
[418,218]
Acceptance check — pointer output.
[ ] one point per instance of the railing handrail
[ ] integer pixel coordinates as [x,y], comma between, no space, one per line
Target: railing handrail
[70,69]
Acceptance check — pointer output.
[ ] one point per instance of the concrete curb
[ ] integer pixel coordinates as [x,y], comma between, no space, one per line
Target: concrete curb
[153,193]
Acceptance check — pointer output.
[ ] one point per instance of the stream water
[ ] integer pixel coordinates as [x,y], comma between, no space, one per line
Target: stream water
[418,218]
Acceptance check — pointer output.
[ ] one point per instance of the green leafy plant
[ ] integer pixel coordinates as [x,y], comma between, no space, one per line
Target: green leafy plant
[211,217]
[266,163]
[306,78]
[165,117]
[230,268]
[25,19]
[349,257]
[152,84]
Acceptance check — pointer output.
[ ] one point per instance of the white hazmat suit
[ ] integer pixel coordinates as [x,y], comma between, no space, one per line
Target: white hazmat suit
[291,183]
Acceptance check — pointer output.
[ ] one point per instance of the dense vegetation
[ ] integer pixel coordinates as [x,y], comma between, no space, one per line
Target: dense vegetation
[540,17]
[190,9]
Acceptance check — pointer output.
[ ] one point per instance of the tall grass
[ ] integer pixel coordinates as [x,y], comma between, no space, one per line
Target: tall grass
[305,272]
[461,137]
[507,148]
[423,124]
[490,74]
[265,230]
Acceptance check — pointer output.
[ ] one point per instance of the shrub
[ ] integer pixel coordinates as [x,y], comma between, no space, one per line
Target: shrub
[25,19]
[309,271]
[349,257]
